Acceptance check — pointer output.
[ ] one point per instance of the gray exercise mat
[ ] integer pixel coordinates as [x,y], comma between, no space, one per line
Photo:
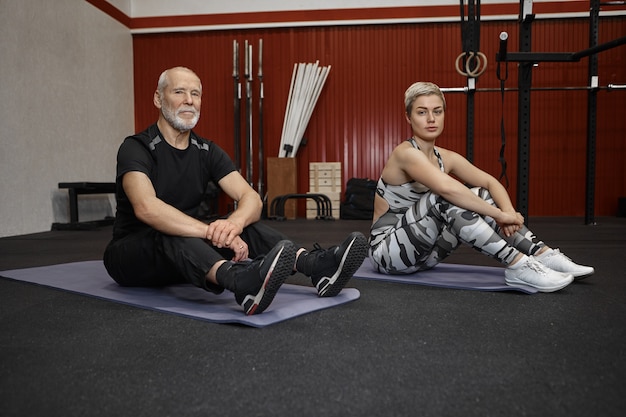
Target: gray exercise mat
[90,278]
[457,276]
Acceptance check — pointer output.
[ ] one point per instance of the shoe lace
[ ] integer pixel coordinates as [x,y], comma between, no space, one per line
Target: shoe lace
[317,260]
[246,265]
[537,267]
[557,252]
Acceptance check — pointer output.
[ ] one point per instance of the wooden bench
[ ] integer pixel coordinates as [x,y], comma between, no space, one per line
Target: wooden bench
[74,190]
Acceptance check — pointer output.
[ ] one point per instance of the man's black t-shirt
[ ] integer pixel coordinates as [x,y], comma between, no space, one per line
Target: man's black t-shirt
[179,177]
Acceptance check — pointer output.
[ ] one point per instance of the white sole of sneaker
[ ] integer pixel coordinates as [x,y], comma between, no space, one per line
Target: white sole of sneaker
[583,275]
[514,282]
[333,285]
[272,282]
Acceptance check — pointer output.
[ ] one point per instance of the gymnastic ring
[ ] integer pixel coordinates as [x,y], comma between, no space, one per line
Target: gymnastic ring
[482,64]
[481,58]
[457,66]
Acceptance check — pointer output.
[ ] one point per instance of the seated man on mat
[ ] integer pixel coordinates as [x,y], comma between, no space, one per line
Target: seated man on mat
[423,210]
[162,174]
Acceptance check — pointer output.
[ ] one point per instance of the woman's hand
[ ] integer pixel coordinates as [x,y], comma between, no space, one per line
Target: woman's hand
[510,222]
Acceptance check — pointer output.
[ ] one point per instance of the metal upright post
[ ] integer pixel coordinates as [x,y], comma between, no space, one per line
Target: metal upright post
[592,97]
[470,120]
[523,122]
[261,153]
[470,39]
[474,29]
[248,75]
[237,103]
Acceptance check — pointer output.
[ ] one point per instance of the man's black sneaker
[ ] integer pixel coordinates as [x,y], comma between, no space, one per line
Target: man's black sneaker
[258,281]
[331,269]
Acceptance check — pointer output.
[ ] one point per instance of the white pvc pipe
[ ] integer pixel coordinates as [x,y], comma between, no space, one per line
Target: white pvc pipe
[307,82]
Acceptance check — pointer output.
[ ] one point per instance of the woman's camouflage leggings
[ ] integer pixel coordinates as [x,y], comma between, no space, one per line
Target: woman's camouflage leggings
[426,233]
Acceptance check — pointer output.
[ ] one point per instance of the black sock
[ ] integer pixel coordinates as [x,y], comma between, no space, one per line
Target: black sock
[223,278]
[301,262]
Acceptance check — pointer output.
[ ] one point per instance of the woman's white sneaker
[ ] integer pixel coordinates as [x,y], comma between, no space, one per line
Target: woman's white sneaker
[557,261]
[532,273]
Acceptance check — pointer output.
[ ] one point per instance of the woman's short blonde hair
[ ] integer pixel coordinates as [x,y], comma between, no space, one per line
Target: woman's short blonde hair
[418,89]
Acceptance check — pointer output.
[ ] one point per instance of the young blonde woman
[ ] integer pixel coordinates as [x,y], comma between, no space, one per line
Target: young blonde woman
[424,210]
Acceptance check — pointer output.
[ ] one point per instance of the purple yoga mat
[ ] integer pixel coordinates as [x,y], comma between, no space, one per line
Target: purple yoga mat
[90,278]
[457,276]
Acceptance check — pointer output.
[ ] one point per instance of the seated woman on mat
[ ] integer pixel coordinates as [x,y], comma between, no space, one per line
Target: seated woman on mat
[422,213]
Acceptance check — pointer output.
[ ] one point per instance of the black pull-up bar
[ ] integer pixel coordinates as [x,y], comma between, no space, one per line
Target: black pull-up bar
[559,56]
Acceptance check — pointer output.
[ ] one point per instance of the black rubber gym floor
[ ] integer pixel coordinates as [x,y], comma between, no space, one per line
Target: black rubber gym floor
[400,350]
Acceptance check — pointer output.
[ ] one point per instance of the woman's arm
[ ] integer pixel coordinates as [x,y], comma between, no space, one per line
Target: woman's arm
[418,166]
[470,174]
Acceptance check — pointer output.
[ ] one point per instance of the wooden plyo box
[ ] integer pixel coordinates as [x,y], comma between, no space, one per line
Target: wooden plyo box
[282,178]
[324,178]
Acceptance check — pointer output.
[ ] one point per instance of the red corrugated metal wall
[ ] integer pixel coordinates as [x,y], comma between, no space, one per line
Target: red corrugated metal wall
[359,116]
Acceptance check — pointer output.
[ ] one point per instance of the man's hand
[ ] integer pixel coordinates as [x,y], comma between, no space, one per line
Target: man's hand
[240,248]
[223,232]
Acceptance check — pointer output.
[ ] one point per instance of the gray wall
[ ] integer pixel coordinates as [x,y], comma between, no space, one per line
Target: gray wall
[66,102]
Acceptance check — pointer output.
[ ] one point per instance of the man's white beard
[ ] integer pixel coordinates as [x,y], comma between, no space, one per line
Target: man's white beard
[179,123]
